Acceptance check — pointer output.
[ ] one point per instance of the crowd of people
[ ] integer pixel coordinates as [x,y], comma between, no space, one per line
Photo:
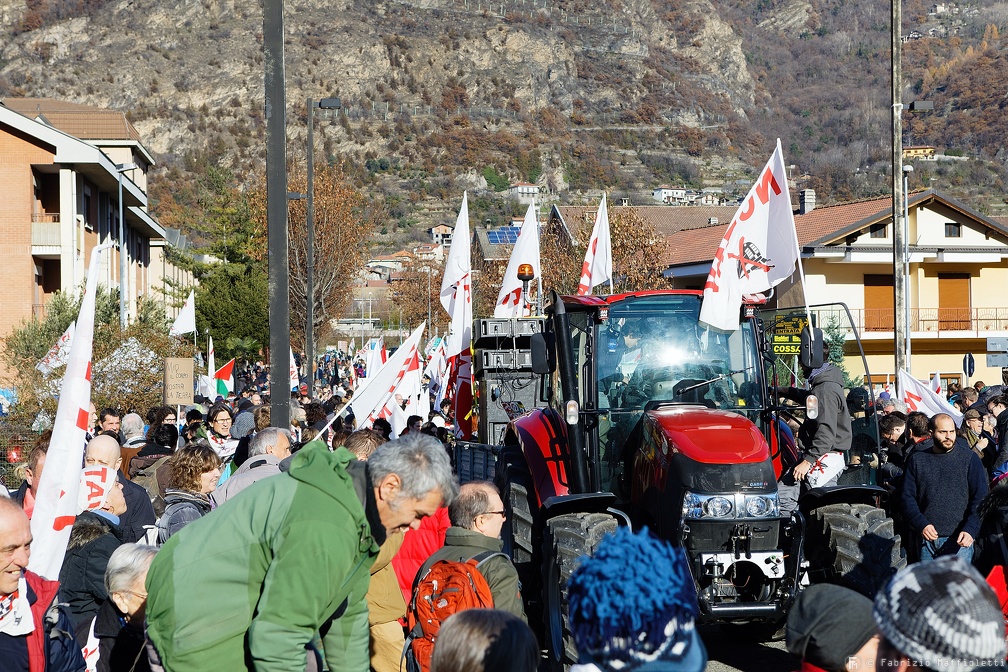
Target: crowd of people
[221,542]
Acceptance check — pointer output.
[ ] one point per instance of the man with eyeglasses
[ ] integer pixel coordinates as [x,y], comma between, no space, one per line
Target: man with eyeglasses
[477,516]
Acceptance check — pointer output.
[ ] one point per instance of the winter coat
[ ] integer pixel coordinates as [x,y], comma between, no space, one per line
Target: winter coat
[417,546]
[831,430]
[51,645]
[988,550]
[139,514]
[462,544]
[385,600]
[119,647]
[248,586]
[254,469]
[82,576]
[181,508]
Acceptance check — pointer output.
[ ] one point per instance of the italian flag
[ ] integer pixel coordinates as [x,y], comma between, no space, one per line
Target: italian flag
[224,378]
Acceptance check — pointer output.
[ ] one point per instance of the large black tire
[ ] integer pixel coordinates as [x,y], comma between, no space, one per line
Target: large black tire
[518,533]
[567,540]
[854,545]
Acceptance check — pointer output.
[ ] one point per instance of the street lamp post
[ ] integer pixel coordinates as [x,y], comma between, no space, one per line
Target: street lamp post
[120,169]
[907,169]
[324,104]
[900,335]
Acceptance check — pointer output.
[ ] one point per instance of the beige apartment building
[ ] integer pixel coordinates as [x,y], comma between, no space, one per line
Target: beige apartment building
[60,183]
[958,275]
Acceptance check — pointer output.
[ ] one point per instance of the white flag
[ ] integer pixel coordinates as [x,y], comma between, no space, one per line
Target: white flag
[510,302]
[919,396]
[58,354]
[936,384]
[370,401]
[208,383]
[56,500]
[597,266]
[759,250]
[292,373]
[456,297]
[185,323]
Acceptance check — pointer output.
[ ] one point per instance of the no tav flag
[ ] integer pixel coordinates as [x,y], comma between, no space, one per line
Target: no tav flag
[510,302]
[456,297]
[919,396]
[56,499]
[185,323]
[759,250]
[597,266]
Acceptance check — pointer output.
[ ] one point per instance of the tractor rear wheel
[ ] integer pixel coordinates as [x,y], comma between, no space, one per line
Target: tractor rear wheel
[518,533]
[566,540]
[854,545]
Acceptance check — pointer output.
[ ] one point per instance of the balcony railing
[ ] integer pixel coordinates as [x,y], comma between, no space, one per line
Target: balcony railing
[976,322]
[45,230]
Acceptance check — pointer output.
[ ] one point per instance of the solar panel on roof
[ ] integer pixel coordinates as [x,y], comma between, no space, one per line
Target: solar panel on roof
[505,235]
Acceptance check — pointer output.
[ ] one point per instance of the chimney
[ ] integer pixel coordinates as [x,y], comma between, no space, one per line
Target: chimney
[806,201]
[712,221]
[625,202]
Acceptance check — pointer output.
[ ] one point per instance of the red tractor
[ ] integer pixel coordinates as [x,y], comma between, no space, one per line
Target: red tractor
[654,420]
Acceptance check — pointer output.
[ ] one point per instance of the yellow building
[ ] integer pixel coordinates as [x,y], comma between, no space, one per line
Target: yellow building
[957,293]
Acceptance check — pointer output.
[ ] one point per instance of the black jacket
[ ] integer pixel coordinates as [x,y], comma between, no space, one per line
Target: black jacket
[1002,437]
[120,648]
[82,577]
[989,549]
[139,512]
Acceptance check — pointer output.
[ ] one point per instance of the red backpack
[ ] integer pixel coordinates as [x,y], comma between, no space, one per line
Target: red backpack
[447,587]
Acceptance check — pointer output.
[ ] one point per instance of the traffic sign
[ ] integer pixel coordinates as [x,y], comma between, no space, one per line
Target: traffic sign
[997,344]
[968,364]
[997,360]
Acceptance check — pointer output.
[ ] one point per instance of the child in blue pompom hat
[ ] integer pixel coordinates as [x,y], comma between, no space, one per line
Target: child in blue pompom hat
[633,607]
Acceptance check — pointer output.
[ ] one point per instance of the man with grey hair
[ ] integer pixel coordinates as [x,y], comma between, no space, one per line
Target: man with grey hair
[289,559]
[133,431]
[477,516]
[266,450]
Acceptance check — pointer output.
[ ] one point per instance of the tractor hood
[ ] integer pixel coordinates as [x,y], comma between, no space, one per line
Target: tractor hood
[706,435]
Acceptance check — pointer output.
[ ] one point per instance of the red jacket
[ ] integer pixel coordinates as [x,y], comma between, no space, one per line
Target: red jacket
[417,546]
[45,593]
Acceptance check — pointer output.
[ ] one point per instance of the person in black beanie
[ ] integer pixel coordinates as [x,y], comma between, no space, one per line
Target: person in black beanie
[831,628]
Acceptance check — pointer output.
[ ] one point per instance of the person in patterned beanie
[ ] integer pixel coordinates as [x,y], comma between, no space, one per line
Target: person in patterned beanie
[941,616]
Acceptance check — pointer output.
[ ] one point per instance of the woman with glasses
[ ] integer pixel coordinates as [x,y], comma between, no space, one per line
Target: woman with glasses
[113,640]
[219,421]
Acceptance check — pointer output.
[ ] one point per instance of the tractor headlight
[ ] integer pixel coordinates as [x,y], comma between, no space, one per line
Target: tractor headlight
[730,505]
[762,506]
[718,507]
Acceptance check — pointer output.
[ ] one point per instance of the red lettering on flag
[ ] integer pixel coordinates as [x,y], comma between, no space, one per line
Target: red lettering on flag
[911,401]
[82,418]
[715,272]
[87,376]
[63,522]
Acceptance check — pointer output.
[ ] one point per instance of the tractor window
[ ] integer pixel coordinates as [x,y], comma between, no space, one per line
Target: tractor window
[656,349]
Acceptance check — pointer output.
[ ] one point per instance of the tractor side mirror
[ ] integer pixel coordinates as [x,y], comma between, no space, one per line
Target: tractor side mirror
[542,363]
[810,352]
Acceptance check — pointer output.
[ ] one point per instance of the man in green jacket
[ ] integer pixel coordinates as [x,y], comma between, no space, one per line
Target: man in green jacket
[248,586]
[477,516]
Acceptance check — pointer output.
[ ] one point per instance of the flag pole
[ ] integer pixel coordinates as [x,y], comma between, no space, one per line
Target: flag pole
[801,267]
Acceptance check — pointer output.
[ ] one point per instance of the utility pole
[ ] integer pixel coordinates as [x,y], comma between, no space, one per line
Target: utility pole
[276,211]
[901,336]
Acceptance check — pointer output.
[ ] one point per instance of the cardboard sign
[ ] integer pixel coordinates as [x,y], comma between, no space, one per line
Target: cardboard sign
[178,381]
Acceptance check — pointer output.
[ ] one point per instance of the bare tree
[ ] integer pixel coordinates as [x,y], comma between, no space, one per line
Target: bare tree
[344,221]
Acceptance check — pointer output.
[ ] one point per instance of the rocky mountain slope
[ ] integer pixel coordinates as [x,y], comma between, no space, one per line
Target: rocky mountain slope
[576,95]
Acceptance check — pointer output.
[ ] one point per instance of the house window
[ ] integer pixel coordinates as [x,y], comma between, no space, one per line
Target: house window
[880,230]
[953,230]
